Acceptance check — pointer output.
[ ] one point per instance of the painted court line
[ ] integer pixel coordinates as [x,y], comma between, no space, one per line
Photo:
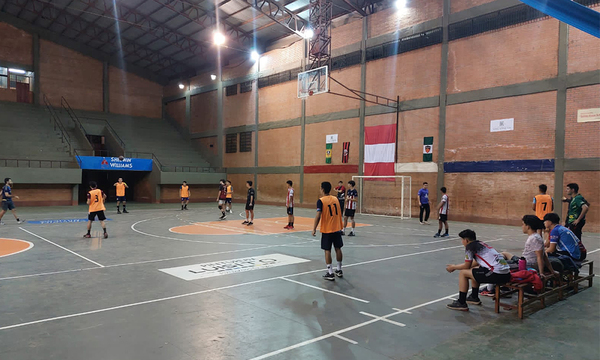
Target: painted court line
[325,290]
[346,339]
[593,251]
[383,319]
[62,247]
[18,252]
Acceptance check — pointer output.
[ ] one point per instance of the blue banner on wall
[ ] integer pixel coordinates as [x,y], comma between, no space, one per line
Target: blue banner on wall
[114,163]
[542,165]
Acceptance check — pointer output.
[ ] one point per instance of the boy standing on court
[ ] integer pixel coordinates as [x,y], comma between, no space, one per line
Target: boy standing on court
[443,214]
[184,194]
[250,204]
[341,193]
[351,198]
[121,186]
[7,202]
[95,200]
[289,204]
[330,216]
[423,197]
[229,196]
[578,208]
[221,197]
[542,203]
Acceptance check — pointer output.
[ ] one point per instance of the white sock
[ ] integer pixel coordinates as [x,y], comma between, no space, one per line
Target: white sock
[339,266]
[352,229]
[329,270]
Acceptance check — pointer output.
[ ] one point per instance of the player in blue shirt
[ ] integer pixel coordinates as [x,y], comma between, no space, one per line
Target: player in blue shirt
[423,198]
[562,240]
[7,200]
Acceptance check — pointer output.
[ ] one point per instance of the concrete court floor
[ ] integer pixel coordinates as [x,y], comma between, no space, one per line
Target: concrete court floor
[74,298]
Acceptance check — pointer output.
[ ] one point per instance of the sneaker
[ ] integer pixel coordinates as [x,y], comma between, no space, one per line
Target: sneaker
[445,235]
[125,212]
[351,233]
[245,222]
[487,293]
[343,233]
[287,227]
[2,223]
[105,235]
[338,273]
[250,223]
[230,211]
[20,221]
[473,300]
[455,305]
[426,222]
[291,227]
[87,236]
[222,217]
[436,235]
[328,276]
[118,211]
[422,223]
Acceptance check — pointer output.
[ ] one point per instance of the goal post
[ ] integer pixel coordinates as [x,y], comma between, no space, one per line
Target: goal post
[384,195]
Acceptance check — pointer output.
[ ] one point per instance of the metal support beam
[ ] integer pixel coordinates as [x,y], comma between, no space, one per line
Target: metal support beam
[320,16]
[441,146]
[363,87]
[561,115]
[36,69]
[105,87]
[280,15]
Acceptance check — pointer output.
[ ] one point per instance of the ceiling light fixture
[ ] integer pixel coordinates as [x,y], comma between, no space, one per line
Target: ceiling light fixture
[213,77]
[400,4]
[181,86]
[17,71]
[254,55]
[308,33]
[219,38]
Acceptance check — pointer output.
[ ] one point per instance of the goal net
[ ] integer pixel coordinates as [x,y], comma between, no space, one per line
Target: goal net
[384,195]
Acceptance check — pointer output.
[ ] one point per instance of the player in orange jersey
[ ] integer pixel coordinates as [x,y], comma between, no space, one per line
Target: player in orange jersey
[121,186]
[184,194]
[329,214]
[95,200]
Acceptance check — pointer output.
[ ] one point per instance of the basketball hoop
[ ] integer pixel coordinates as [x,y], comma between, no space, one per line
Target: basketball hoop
[313,82]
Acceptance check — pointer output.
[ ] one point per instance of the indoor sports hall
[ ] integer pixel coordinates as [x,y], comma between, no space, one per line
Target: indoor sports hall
[299,179]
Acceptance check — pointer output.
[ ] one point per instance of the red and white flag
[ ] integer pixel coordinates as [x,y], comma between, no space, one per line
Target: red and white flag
[380,150]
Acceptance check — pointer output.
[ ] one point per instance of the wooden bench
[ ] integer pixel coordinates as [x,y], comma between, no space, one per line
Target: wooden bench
[559,286]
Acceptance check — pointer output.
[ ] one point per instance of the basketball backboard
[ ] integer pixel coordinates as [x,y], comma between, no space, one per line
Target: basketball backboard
[313,82]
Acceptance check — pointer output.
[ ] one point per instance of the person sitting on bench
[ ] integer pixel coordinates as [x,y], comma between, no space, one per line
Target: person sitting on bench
[534,252]
[562,240]
[483,265]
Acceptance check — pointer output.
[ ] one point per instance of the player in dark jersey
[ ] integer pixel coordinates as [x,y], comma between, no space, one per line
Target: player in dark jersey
[250,200]
[221,198]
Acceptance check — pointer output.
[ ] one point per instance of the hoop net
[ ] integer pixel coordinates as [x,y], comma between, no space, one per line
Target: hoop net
[313,82]
[384,198]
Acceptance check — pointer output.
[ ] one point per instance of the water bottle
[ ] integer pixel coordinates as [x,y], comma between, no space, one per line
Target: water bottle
[522,264]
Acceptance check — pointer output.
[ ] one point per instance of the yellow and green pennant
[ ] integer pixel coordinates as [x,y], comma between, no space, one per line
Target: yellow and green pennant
[328,150]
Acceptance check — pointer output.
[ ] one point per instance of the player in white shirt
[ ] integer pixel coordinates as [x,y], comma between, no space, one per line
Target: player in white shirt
[289,204]
[351,199]
[443,214]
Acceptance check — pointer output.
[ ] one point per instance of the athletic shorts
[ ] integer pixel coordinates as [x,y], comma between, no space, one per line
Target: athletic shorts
[185,199]
[349,212]
[443,217]
[485,276]
[100,214]
[121,198]
[341,203]
[221,202]
[8,205]
[290,211]
[228,201]
[328,239]
[249,207]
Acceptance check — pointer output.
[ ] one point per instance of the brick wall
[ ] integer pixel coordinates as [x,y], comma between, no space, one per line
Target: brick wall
[412,75]
[204,114]
[347,130]
[271,188]
[582,139]
[589,189]
[173,89]
[583,50]
[279,147]
[497,198]
[8,95]
[239,109]
[328,103]
[518,54]
[312,185]
[133,95]
[383,119]
[392,19]
[64,72]
[239,159]
[279,102]
[238,68]
[42,195]
[468,136]
[176,110]
[238,181]
[460,5]
[288,57]
[16,45]
[347,33]
[413,126]
[200,193]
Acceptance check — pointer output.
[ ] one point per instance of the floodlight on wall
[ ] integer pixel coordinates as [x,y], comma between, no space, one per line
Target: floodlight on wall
[308,33]
[17,71]
[218,38]
[213,77]
[181,86]
[254,55]
[400,4]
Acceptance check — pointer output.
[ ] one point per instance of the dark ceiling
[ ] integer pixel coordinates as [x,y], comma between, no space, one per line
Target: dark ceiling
[171,38]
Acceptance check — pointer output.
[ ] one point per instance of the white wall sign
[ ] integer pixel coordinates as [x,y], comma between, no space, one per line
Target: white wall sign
[427,149]
[502,125]
[226,267]
[587,115]
[331,139]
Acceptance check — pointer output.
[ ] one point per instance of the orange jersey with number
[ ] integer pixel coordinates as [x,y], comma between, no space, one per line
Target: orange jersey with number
[543,205]
[121,189]
[96,198]
[185,191]
[331,214]
[229,191]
